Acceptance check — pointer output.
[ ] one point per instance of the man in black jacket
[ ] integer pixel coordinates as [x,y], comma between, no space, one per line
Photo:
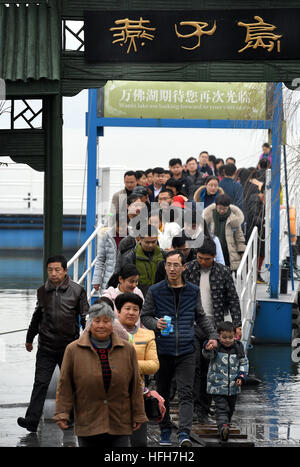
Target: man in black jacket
[60,304]
[157,184]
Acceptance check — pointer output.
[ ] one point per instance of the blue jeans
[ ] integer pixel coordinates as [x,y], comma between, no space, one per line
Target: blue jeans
[183,368]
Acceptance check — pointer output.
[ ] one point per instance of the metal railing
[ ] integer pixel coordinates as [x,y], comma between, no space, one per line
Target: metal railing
[86,250]
[246,287]
[245,279]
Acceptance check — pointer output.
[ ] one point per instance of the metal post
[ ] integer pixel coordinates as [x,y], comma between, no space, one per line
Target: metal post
[92,164]
[288,216]
[268,222]
[53,178]
[91,133]
[275,190]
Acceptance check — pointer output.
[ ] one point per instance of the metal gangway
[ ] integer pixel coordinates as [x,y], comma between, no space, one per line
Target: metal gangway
[245,280]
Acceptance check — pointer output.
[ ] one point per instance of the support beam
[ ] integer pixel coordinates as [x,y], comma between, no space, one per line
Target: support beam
[91,133]
[53,186]
[275,190]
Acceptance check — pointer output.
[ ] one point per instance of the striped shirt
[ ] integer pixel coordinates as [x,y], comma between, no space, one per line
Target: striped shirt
[102,348]
[106,371]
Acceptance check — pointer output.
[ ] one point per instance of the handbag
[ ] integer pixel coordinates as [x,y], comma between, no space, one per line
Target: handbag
[152,408]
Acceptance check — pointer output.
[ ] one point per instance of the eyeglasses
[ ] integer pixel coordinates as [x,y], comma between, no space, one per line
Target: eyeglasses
[174,265]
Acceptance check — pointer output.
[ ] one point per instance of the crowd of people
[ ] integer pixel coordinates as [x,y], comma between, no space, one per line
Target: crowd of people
[167,309]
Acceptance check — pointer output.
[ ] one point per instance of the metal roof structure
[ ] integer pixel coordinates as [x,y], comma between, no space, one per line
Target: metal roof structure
[34,52]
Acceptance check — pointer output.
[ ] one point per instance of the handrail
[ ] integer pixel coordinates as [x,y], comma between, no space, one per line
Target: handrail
[246,286]
[87,274]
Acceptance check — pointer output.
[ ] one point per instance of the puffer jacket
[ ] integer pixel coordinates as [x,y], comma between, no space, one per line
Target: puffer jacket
[106,259]
[143,341]
[233,232]
[223,292]
[56,315]
[160,301]
[227,364]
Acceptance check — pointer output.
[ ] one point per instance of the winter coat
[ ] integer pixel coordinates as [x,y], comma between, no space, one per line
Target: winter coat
[151,190]
[194,182]
[81,385]
[106,259]
[126,244]
[201,196]
[165,237]
[223,293]
[146,266]
[249,189]
[205,171]
[227,364]
[56,315]
[256,218]
[119,201]
[233,232]
[234,190]
[160,301]
[145,347]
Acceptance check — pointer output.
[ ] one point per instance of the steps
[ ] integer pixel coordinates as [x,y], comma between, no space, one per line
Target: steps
[208,436]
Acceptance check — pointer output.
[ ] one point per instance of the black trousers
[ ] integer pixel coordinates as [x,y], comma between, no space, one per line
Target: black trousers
[202,400]
[103,441]
[183,368]
[225,406]
[138,439]
[44,369]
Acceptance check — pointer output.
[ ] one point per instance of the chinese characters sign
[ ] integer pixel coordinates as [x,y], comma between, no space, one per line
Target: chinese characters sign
[175,36]
[130,31]
[142,99]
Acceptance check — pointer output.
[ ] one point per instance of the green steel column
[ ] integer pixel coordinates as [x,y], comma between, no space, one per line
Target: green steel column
[53,179]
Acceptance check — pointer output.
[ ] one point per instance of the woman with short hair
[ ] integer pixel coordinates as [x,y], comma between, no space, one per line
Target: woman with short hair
[100,377]
[129,307]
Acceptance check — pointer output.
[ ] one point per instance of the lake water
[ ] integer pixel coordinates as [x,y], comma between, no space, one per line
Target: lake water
[23,269]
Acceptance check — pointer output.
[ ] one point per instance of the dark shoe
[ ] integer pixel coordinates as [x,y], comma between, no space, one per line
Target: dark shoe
[165,437]
[224,432]
[184,440]
[260,280]
[26,424]
[203,418]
